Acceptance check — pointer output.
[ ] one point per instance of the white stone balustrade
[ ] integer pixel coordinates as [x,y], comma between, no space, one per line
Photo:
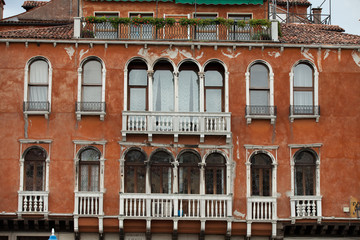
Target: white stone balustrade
[33,202]
[261,208]
[305,206]
[176,123]
[175,205]
[88,203]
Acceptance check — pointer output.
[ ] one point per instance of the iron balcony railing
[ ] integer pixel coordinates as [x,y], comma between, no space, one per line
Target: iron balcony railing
[304,110]
[260,110]
[90,106]
[36,106]
[106,30]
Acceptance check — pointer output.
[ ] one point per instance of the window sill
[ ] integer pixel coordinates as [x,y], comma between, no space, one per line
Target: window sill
[249,118]
[94,113]
[292,117]
[45,113]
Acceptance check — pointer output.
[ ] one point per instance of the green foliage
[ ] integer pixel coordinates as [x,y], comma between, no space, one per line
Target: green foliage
[259,22]
[87,34]
[115,21]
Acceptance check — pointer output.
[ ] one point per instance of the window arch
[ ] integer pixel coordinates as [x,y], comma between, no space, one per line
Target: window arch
[91,92]
[135,171]
[37,94]
[137,86]
[215,174]
[34,166]
[214,87]
[161,178]
[189,87]
[305,173]
[163,87]
[89,168]
[189,173]
[304,90]
[261,175]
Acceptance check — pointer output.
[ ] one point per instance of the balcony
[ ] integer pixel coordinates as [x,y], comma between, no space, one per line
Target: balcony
[175,32]
[305,207]
[36,108]
[89,204]
[304,111]
[90,108]
[260,112]
[261,209]
[176,123]
[175,205]
[33,202]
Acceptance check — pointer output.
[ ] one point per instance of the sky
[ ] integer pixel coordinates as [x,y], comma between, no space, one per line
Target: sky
[345,13]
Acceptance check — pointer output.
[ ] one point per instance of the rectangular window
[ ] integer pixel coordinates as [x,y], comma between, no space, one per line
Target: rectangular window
[208,32]
[239,33]
[106,30]
[141,31]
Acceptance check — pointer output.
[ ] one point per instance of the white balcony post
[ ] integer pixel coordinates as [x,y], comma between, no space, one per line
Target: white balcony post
[318,208]
[77,27]
[274,30]
[226,91]
[121,205]
[293,207]
[20,202]
[202,95]
[150,74]
[21,174]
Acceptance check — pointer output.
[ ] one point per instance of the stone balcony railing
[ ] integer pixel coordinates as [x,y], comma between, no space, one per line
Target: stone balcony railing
[261,209]
[34,202]
[306,207]
[176,32]
[185,206]
[88,204]
[176,123]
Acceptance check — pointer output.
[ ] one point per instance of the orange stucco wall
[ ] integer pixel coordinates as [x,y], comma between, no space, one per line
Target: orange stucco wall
[338,128]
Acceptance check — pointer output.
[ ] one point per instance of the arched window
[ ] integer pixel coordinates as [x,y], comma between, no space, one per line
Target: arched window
[303,89]
[138,86]
[214,87]
[135,171]
[37,95]
[34,169]
[91,92]
[161,172]
[189,173]
[215,174]
[189,88]
[305,167]
[89,163]
[261,169]
[259,85]
[163,87]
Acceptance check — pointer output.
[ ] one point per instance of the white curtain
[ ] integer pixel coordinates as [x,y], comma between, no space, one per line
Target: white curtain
[213,85]
[92,81]
[188,91]
[38,82]
[137,85]
[163,91]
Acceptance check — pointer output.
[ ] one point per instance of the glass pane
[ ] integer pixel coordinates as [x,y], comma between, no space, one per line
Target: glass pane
[303,76]
[220,181]
[134,156]
[35,154]
[29,176]
[303,98]
[259,76]
[140,181]
[259,98]
[299,188]
[89,155]
[161,157]
[155,179]
[38,94]
[84,170]
[266,182]
[304,158]
[215,159]
[195,180]
[39,72]
[137,99]
[188,91]
[92,72]
[255,181]
[91,94]
[213,100]
[138,77]
[166,180]
[209,181]
[94,178]
[309,180]
[213,79]
[39,177]
[130,179]
[189,158]
[163,91]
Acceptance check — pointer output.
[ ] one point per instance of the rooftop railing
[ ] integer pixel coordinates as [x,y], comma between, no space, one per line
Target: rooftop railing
[177,31]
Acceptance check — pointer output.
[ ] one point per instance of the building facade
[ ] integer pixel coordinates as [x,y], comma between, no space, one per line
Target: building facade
[117,124]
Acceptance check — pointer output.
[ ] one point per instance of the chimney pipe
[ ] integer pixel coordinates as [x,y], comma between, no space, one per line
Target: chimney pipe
[2,3]
[317,15]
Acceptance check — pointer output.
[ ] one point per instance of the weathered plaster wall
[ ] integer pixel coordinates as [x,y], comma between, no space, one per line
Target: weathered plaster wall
[338,128]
